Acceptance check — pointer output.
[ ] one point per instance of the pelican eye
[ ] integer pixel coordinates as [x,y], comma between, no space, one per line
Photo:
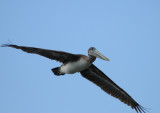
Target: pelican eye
[92,48]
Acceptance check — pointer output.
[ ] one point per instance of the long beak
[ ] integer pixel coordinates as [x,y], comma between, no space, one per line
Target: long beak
[100,55]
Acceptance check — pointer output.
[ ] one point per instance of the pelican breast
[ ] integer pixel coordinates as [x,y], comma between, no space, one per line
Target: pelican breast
[77,66]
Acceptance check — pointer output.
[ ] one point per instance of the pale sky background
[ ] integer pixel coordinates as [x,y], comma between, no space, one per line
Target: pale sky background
[126,31]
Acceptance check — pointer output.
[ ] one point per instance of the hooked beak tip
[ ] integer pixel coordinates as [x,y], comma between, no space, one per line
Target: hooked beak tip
[107,59]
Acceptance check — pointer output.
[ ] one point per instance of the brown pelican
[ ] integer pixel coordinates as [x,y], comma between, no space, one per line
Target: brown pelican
[72,63]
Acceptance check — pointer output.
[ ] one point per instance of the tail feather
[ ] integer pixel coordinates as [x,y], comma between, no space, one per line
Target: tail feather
[56,71]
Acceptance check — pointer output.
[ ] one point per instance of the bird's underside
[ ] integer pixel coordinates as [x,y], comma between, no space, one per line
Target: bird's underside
[80,63]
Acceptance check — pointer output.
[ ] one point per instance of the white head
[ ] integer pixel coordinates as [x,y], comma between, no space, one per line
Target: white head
[92,51]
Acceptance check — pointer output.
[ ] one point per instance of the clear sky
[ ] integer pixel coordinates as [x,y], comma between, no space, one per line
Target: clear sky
[126,31]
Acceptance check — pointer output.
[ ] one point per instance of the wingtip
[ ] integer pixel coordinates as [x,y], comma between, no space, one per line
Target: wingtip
[141,109]
[5,45]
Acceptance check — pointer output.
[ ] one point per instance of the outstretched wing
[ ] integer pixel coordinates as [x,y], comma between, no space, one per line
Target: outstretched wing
[96,76]
[51,54]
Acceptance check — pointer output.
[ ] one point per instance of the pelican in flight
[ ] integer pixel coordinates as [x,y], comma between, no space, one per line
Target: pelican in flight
[72,63]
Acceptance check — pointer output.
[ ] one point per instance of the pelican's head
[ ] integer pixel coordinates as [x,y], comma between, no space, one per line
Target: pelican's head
[92,51]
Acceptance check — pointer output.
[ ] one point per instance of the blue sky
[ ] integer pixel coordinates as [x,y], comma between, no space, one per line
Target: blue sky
[127,32]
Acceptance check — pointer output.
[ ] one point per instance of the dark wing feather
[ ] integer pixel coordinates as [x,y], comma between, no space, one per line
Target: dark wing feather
[51,54]
[96,76]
